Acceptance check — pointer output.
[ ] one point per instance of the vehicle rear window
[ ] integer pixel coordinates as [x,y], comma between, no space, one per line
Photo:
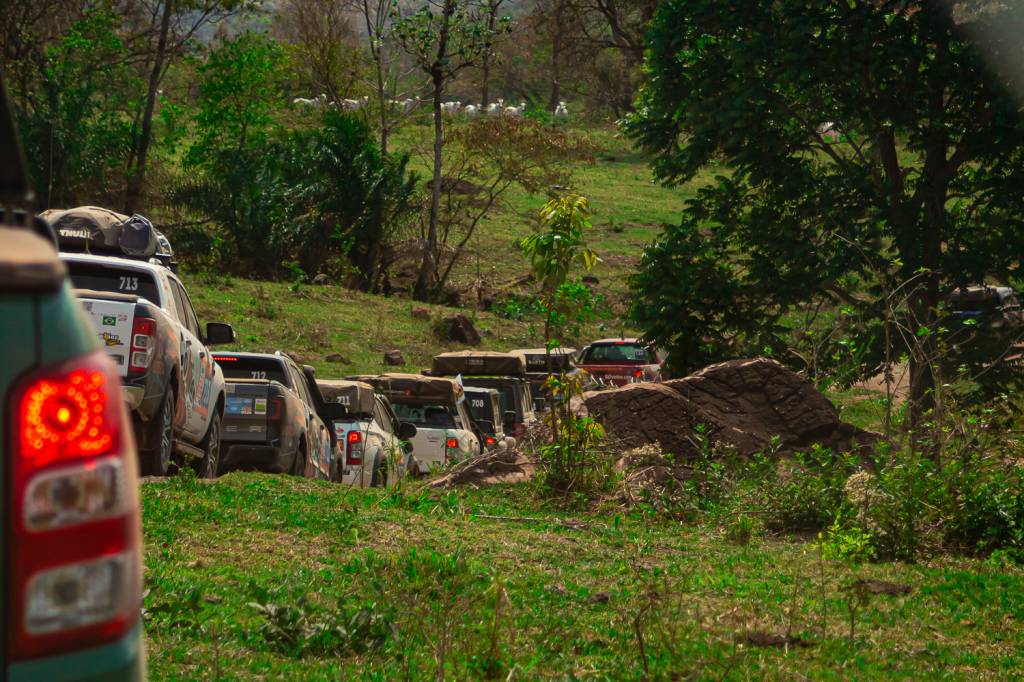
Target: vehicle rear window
[114,280]
[617,353]
[427,416]
[506,393]
[252,368]
[480,406]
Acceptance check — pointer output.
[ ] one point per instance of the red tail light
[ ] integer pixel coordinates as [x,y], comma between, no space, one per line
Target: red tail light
[638,374]
[74,523]
[491,440]
[354,447]
[453,443]
[141,352]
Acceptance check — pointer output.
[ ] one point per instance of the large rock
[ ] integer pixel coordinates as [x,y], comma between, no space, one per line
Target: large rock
[457,329]
[393,358]
[639,414]
[742,403]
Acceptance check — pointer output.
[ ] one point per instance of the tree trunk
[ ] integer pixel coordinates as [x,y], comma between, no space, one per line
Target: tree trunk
[485,69]
[137,178]
[485,85]
[556,60]
[428,266]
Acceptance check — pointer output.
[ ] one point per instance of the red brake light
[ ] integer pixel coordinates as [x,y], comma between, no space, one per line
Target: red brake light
[66,417]
[491,440]
[224,358]
[453,443]
[639,374]
[73,522]
[143,329]
[354,447]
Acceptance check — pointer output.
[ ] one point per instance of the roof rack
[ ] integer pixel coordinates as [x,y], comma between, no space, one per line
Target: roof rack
[96,230]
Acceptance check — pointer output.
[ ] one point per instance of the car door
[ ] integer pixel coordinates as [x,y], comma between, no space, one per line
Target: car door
[317,438]
[197,366]
[187,357]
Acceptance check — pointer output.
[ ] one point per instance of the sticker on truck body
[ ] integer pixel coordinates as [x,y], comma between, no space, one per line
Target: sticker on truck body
[110,320]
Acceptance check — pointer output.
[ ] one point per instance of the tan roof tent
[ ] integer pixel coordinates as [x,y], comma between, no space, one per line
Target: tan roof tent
[356,396]
[478,363]
[537,359]
[417,387]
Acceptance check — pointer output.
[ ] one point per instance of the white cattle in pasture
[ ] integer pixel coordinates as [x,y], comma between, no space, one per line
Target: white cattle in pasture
[515,112]
[495,108]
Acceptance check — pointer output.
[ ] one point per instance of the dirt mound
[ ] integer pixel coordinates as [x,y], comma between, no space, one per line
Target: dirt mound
[741,403]
[639,414]
[490,468]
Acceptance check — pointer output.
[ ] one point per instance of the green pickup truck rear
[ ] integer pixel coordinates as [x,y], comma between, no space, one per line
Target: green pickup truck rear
[71,557]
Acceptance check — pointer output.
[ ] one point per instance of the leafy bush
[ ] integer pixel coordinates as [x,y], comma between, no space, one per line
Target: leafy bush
[806,493]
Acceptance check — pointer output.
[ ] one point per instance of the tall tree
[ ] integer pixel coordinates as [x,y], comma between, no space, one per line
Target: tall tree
[168,28]
[864,142]
[443,38]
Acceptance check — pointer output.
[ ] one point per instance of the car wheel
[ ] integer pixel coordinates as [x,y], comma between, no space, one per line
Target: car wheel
[380,475]
[157,460]
[209,465]
[299,461]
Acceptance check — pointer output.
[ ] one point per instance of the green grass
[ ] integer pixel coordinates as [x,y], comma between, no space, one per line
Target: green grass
[629,209]
[317,321]
[572,597]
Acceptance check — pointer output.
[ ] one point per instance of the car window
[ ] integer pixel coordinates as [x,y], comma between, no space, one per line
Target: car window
[175,304]
[299,384]
[235,367]
[382,418]
[427,416]
[113,279]
[462,418]
[624,353]
[480,406]
[189,319]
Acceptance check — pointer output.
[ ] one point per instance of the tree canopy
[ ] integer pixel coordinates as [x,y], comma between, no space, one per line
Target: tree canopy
[844,143]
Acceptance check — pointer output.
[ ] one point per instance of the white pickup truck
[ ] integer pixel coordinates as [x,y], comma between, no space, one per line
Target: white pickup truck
[437,407]
[172,386]
[373,446]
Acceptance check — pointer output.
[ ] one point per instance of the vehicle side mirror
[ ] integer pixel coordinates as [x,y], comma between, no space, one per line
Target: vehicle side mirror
[219,333]
[509,418]
[406,431]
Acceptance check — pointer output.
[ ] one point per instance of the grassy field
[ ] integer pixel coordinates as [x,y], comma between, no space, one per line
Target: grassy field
[263,577]
[629,209]
[260,577]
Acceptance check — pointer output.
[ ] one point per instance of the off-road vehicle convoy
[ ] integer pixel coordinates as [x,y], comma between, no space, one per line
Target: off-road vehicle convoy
[274,416]
[146,323]
[374,447]
[504,372]
[437,407]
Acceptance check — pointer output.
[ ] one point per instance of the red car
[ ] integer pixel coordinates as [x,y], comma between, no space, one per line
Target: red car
[622,361]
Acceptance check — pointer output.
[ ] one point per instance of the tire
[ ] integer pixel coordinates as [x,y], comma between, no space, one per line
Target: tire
[299,461]
[157,461]
[379,479]
[209,465]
